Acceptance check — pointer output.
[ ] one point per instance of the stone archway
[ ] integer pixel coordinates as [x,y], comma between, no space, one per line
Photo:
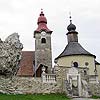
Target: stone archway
[74,79]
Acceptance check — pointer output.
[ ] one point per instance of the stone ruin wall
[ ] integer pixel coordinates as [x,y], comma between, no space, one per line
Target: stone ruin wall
[31,85]
[95,89]
[27,85]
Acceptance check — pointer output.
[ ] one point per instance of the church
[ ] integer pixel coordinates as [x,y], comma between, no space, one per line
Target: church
[74,68]
[33,61]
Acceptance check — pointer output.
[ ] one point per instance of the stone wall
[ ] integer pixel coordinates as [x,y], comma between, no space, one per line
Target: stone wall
[61,78]
[87,90]
[95,89]
[31,85]
[27,85]
[43,53]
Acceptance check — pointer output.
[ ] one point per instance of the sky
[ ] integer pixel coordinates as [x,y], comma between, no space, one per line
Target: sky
[21,16]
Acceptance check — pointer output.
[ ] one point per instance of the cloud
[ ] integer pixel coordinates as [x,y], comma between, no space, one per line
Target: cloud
[21,16]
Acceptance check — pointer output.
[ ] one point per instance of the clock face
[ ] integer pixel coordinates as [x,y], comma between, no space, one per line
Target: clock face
[43,33]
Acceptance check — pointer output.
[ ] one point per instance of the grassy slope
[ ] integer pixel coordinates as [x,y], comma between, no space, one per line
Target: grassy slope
[34,97]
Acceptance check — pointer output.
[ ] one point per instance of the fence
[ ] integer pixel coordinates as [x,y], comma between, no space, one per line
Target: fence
[48,78]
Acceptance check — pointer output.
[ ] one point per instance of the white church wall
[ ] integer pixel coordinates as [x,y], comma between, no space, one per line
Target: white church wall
[80,59]
[98,71]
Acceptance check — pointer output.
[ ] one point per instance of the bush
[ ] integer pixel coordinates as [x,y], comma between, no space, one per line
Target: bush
[95,97]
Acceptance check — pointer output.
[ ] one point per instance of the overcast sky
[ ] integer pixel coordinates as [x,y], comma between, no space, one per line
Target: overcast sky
[21,16]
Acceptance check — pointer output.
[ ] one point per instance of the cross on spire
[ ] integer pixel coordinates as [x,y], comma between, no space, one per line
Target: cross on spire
[41,10]
[70,17]
[41,14]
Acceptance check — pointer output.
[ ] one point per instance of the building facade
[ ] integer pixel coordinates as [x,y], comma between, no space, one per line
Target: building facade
[32,61]
[42,35]
[76,67]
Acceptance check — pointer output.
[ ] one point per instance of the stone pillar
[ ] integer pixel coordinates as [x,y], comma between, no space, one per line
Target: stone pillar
[79,84]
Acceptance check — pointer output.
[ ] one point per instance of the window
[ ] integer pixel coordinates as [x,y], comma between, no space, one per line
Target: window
[85,72]
[86,63]
[75,64]
[43,40]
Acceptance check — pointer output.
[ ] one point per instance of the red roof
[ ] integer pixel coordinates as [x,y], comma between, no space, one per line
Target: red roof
[42,18]
[42,23]
[27,64]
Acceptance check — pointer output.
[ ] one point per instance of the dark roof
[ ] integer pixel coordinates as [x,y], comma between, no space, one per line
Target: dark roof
[71,27]
[97,63]
[27,64]
[74,48]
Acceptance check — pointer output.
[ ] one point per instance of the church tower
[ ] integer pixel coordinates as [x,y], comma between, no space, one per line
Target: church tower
[72,35]
[42,35]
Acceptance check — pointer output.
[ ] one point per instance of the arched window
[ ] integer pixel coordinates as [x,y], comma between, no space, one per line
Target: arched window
[85,72]
[75,64]
[43,40]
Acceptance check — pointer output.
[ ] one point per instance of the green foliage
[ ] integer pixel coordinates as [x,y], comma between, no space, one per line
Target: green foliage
[95,97]
[34,97]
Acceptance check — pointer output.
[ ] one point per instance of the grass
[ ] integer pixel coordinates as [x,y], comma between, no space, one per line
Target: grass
[34,97]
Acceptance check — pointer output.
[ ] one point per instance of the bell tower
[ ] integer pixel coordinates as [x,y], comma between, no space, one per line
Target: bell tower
[42,35]
[72,35]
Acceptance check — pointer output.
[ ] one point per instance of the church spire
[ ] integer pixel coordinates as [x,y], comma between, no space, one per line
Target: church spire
[71,27]
[70,17]
[42,18]
[42,35]
[42,23]
[41,14]
[72,34]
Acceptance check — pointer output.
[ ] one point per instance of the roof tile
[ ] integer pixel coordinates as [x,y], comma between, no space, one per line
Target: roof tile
[27,64]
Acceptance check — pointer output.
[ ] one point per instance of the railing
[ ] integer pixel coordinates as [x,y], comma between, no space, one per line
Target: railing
[93,79]
[48,78]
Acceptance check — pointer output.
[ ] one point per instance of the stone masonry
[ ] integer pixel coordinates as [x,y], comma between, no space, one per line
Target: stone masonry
[95,89]
[27,85]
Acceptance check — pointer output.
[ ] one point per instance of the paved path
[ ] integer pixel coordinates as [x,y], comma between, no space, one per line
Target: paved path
[84,99]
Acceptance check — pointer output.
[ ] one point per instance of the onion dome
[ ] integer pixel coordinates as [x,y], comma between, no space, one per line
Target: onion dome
[71,27]
[42,23]
[42,18]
